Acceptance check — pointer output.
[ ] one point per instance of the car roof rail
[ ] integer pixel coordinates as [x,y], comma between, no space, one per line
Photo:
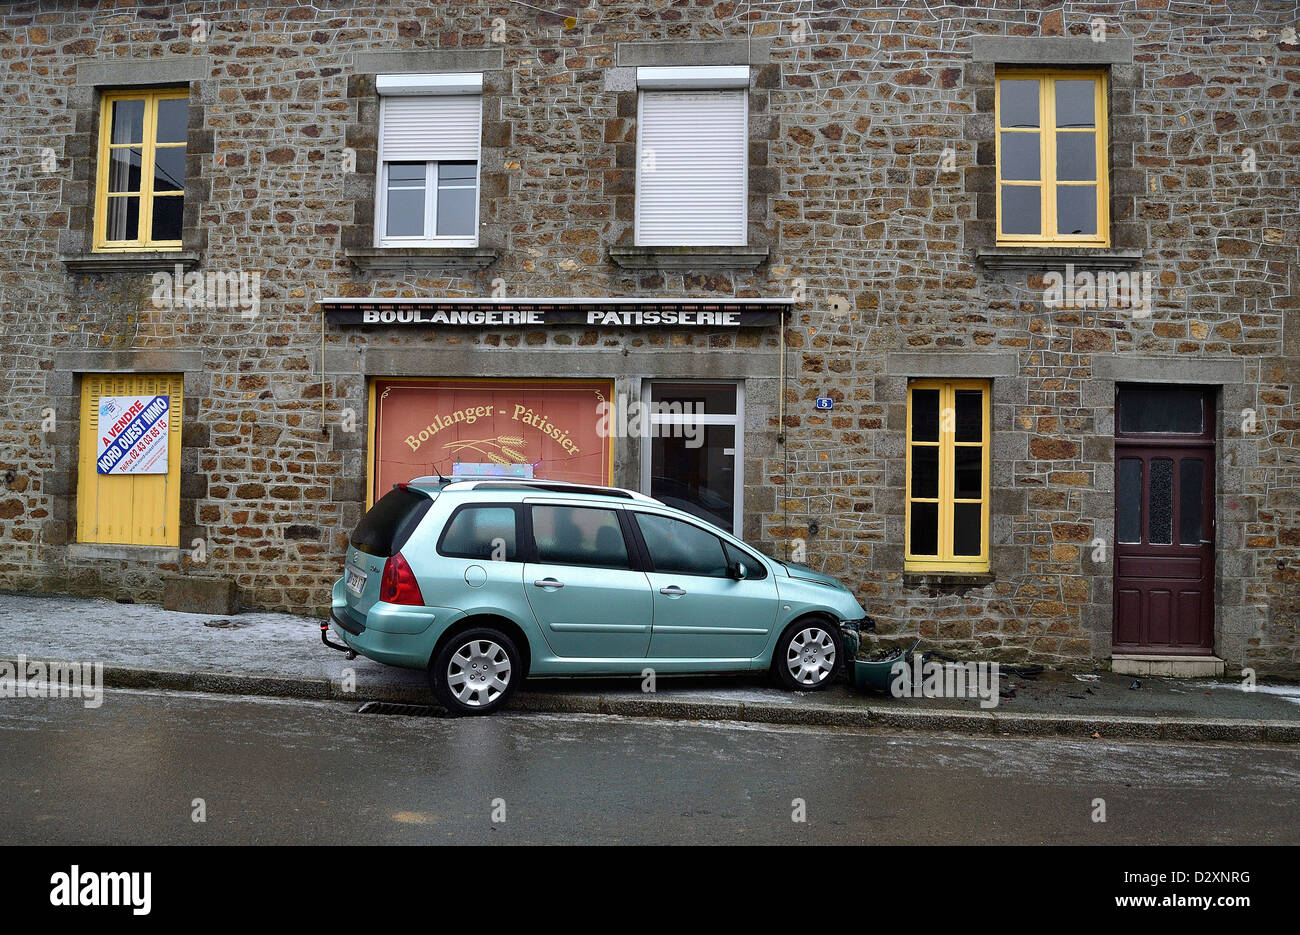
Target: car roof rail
[511,483]
[430,479]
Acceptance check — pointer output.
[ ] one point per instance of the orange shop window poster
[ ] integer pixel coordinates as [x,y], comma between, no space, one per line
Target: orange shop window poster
[521,428]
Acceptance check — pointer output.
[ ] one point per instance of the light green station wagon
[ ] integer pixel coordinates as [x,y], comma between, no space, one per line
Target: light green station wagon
[482,583]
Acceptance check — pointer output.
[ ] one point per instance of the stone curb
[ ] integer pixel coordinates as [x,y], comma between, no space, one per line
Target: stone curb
[758,712]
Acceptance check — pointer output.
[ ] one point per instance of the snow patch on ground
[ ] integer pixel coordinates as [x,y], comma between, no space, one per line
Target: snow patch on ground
[1289,693]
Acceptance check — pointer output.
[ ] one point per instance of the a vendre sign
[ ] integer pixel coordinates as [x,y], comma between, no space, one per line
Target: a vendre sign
[133,435]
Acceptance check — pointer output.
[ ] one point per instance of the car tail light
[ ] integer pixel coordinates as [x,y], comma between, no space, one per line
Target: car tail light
[398,585]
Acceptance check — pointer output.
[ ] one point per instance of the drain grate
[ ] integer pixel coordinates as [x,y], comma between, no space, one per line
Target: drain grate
[403,710]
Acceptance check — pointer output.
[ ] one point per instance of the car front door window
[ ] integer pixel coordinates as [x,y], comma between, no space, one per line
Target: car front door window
[680,548]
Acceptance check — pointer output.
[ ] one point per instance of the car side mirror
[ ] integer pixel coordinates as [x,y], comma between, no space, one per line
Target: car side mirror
[738,571]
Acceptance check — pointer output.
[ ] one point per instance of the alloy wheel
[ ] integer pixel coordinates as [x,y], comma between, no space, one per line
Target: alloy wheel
[810,658]
[478,673]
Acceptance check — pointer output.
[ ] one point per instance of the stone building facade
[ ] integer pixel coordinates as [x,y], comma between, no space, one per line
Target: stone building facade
[871,210]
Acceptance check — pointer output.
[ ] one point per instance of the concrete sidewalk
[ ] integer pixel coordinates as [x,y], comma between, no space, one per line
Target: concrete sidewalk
[143,646]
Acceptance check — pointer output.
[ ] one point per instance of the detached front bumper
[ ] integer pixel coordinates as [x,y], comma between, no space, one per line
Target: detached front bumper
[851,630]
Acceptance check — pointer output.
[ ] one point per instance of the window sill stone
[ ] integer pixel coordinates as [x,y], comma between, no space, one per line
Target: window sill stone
[1057,258]
[102,551]
[144,262]
[692,258]
[948,580]
[388,259]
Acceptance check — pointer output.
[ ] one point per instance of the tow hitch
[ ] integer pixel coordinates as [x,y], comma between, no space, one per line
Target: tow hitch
[324,638]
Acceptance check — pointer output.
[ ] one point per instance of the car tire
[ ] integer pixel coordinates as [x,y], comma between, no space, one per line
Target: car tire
[808,655]
[466,674]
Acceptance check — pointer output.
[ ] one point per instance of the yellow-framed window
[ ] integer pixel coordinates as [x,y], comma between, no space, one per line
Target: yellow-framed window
[128,509]
[1052,168]
[140,170]
[947,519]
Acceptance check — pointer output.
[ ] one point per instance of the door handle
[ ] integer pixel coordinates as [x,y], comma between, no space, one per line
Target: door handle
[547,583]
[672,591]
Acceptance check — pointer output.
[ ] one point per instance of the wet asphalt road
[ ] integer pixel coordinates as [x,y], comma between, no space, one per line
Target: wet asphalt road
[280,771]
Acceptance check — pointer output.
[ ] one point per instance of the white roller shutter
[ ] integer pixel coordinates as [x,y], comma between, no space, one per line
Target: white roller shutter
[691,169]
[428,129]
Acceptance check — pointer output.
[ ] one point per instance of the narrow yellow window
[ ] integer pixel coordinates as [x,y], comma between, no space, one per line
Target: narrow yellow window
[1052,178]
[129,465]
[947,518]
[140,172]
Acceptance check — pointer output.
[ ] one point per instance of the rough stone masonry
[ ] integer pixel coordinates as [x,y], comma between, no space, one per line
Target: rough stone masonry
[871,173]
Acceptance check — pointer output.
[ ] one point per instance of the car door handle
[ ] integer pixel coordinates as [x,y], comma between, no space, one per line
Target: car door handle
[672,591]
[547,583]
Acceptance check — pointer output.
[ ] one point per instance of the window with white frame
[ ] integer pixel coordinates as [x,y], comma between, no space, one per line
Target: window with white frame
[692,156]
[695,460]
[430,131]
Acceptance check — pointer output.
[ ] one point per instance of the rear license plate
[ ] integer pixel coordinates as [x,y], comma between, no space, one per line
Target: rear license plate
[355,581]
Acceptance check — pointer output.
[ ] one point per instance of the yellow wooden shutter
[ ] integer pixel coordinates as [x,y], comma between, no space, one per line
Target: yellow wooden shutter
[141,509]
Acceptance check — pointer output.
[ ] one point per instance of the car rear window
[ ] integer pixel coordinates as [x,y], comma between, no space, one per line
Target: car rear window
[389,523]
[567,535]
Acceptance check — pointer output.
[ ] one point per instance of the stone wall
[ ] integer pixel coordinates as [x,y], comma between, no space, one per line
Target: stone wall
[871,186]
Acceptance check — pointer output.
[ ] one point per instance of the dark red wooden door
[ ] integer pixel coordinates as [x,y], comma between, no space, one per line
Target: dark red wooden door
[1164,526]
